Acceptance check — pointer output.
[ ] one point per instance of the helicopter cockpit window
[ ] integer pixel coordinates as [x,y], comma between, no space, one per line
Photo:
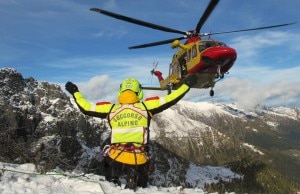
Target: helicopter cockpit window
[188,55]
[173,68]
[206,44]
[222,44]
[202,46]
[194,51]
[210,43]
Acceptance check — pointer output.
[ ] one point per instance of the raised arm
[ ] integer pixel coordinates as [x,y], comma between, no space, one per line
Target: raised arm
[160,104]
[97,110]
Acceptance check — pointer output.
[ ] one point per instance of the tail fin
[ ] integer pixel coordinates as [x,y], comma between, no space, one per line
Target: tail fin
[158,74]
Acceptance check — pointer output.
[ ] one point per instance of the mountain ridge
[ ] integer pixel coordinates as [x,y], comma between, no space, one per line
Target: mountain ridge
[190,133]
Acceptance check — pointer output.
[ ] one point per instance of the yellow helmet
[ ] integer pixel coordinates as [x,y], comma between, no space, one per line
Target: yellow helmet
[133,85]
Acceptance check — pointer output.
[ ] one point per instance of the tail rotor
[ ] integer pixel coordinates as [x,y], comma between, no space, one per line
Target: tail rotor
[155,64]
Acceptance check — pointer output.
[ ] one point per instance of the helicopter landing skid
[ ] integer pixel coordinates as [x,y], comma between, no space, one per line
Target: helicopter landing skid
[169,87]
[211,92]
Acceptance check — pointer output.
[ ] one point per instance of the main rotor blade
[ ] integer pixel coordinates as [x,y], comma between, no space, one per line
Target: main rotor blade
[250,29]
[138,22]
[155,43]
[211,6]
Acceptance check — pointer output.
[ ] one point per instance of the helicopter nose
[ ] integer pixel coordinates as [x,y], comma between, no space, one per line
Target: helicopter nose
[219,53]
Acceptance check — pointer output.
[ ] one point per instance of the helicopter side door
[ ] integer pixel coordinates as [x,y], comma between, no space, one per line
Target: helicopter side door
[193,57]
[175,72]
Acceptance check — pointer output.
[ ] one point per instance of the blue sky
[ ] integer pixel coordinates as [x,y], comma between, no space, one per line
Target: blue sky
[58,41]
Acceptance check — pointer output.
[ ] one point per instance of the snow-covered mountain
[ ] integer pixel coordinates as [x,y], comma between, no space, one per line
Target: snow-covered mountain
[210,129]
[193,144]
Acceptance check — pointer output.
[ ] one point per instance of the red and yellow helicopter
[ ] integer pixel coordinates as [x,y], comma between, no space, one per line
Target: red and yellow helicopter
[208,59]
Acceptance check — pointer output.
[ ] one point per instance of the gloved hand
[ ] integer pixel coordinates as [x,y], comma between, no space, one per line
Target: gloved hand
[191,80]
[72,88]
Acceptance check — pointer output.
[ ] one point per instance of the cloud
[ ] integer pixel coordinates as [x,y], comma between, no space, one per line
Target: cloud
[110,4]
[249,46]
[249,93]
[99,88]
[255,85]
[118,33]
[266,71]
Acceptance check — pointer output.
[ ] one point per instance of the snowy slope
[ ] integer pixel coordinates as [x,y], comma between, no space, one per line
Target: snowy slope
[182,119]
[24,178]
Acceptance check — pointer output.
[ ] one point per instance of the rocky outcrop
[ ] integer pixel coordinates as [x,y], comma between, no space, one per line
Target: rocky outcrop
[38,120]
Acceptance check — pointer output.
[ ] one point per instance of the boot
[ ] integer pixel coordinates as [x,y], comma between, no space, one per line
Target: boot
[142,179]
[131,179]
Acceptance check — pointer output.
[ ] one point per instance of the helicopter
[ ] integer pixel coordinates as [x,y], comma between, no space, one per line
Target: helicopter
[208,59]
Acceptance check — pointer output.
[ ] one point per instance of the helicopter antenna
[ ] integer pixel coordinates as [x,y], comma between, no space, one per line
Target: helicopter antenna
[209,36]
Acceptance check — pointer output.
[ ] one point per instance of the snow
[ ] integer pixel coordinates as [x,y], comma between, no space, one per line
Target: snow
[24,178]
[206,108]
[47,117]
[208,174]
[255,130]
[286,112]
[253,148]
[54,101]
[272,124]
[174,122]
